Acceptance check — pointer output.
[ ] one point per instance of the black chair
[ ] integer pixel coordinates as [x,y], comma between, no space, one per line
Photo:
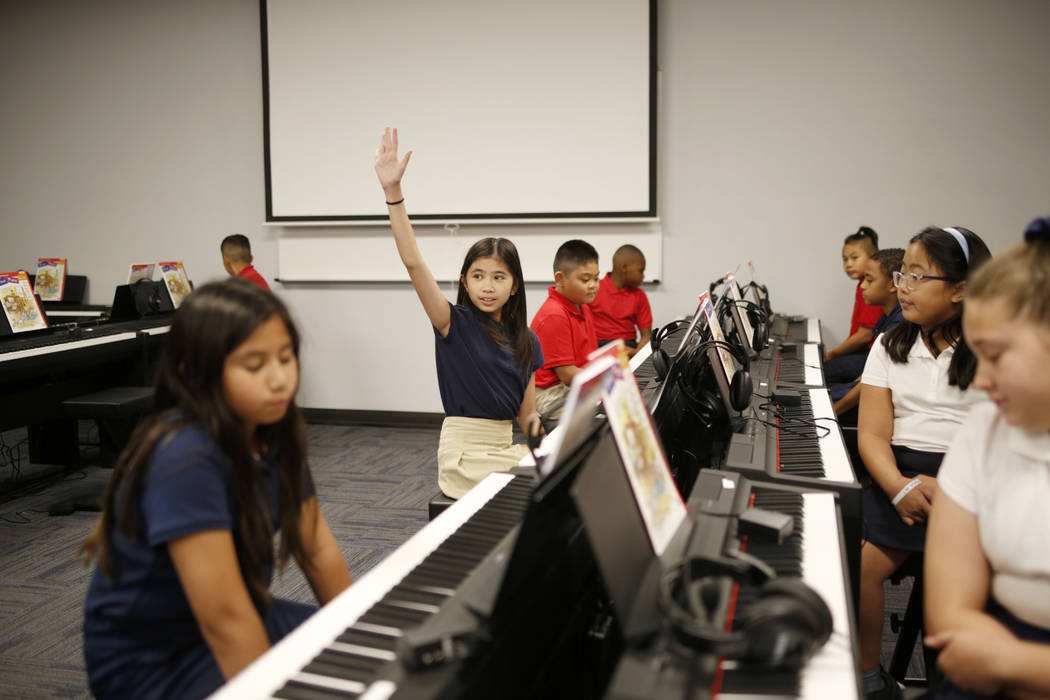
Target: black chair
[438,503]
[910,627]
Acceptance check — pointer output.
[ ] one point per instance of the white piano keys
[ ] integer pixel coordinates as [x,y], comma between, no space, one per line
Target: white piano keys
[837,466]
[267,674]
[813,364]
[813,330]
[66,347]
[832,672]
[639,357]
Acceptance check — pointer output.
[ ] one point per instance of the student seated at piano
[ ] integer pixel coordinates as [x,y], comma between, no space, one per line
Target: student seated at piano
[845,361]
[237,259]
[565,324]
[621,308]
[879,290]
[915,392]
[486,355]
[184,547]
[987,550]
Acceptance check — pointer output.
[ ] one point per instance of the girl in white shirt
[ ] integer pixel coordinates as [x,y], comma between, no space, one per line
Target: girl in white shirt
[988,548]
[914,395]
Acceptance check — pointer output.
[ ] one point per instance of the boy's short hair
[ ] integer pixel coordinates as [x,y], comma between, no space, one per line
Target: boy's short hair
[572,254]
[864,233]
[627,252]
[237,247]
[889,259]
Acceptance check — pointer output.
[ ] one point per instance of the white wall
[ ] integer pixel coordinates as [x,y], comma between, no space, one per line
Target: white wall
[131,131]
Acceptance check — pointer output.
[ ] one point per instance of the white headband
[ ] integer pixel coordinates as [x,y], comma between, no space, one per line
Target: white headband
[962,242]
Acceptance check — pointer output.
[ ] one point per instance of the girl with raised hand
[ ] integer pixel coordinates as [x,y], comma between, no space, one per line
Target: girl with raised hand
[987,550]
[915,392]
[179,600]
[486,354]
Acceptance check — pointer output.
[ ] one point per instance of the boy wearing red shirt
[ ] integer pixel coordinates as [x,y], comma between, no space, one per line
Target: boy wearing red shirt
[621,306]
[237,259]
[565,325]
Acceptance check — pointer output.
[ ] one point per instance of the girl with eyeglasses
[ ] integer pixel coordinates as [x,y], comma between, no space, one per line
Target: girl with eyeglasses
[915,392]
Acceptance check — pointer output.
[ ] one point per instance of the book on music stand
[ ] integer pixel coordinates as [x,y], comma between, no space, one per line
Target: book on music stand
[50,278]
[21,310]
[140,271]
[176,281]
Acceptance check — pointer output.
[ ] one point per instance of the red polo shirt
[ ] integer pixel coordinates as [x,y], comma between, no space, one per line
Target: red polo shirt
[249,273]
[617,312]
[566,334]
[864,314]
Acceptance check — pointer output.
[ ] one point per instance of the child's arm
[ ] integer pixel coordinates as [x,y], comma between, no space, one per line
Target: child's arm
[324,567]
[565,373]
[528,419]
[206,564]
[850,400]
[874,432]
[390,172]
[645,334]
[855,343]
[978,653]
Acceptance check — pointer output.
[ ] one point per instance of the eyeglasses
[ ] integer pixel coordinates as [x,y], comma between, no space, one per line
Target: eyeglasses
[910,280]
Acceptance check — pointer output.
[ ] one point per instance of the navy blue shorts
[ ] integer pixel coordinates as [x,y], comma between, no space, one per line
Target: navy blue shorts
[882,525]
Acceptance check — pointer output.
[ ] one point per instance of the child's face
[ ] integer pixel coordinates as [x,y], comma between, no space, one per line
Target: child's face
[490,285]
[854,256]
[933,301]
[260,376]
[633,272]
[877,287]
[1013,362]
[579,286]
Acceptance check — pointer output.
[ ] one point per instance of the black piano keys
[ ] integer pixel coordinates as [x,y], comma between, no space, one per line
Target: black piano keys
[798,449]
[790,367]
[357,656]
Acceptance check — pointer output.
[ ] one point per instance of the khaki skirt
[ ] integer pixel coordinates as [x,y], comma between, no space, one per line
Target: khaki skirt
[472,448]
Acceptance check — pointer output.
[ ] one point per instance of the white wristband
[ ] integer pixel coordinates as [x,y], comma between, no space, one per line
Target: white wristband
[905,491]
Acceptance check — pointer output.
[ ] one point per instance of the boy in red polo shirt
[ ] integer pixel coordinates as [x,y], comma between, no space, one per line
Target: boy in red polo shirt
[565,324]
[621,306]
[237,259]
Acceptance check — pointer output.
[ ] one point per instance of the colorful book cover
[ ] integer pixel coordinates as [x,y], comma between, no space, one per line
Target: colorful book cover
[616,348]
[176,280]
[20,306]
[140,271]
[659,502]
[50,278]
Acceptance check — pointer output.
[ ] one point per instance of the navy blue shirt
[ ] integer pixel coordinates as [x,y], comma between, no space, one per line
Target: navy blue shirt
[477,377]
[142,614]
[887,321]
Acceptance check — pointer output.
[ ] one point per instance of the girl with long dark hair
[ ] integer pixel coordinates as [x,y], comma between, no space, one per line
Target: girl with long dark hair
[179,601]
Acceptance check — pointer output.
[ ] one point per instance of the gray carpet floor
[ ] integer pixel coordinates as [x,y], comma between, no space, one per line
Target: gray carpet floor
[374,485]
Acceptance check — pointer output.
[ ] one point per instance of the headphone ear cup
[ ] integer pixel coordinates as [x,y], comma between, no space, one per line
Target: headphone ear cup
[740,390]
[761,336]
[661,363]
[787,624]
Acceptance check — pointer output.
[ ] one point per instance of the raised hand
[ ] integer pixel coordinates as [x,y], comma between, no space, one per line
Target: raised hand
[388,168]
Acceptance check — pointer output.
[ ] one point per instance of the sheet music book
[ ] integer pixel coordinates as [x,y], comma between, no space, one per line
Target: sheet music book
[176,280]
[658,499]
[716,332]
[50,278]
[140,271]
[578,413]
[616,348]
[20,306]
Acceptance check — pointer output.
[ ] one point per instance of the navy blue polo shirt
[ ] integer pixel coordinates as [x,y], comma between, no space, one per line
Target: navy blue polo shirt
[142,614]
[887,321]
[477,377]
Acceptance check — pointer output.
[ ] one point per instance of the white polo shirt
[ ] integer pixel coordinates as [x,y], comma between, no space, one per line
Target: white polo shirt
[926,410]
[1001,474]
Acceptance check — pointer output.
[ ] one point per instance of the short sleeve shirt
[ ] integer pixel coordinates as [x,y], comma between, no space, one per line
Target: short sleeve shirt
[617,312]
[927,411]
[1001,474]
[566,333]
[187,489]
[476,376]
[249,273]
[864,315]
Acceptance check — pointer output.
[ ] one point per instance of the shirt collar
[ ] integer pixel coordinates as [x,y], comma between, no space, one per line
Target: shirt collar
[1032,444]
[919,350]
[553,293]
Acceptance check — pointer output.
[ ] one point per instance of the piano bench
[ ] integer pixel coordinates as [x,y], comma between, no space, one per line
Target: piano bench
[911,628]
[116,410]
[438,503]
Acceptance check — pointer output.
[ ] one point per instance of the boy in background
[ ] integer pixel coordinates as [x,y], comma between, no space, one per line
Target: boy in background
[237,259]
[565,325]
[621,306]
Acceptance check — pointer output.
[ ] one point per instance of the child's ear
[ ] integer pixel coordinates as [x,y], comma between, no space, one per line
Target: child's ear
[559,278]
[959,292]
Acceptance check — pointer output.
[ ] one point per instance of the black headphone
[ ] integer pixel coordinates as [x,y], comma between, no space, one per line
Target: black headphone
[697,382]
[758,318]
[783,627]
[661,360]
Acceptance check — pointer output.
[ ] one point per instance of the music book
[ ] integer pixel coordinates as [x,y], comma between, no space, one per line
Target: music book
[658,499]
[140,271]
[616,348]
[578,412]
[50,278]
[20,306]
[716,332]
[176,281]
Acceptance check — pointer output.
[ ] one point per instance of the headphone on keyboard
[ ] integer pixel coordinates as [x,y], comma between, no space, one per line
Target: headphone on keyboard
[699,385]
[785,625]
[661,360]
[758,319]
